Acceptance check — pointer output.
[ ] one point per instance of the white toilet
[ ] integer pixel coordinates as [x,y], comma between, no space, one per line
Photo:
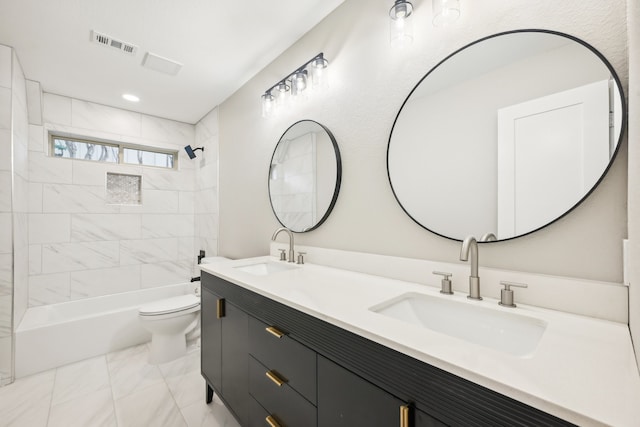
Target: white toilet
[168,321]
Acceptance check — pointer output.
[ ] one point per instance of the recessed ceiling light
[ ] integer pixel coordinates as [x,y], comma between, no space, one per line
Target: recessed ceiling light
[131,98]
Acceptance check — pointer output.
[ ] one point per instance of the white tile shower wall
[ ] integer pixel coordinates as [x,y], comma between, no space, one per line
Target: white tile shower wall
[34,102]
[14,201]
[6,274]
[93,283]
[20,159]
[6,207]
[205,202]
[81,246]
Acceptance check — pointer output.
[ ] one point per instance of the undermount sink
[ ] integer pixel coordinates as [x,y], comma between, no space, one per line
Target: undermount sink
[497,329]
[265,268]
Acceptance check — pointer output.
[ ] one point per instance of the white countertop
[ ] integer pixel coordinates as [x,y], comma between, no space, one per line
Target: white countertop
[583,369]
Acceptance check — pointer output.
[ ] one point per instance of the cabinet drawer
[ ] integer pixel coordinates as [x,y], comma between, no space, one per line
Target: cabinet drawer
[286,405]
[292,360]
[257,414]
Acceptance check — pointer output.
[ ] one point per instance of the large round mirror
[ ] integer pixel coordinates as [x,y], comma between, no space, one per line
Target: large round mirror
[506,135]
[304,176]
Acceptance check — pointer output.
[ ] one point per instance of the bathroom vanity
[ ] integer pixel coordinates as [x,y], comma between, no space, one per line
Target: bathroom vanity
[304,346]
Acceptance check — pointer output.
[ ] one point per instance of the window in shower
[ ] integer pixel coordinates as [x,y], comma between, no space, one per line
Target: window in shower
[85,150]
[137,156]
[111,152]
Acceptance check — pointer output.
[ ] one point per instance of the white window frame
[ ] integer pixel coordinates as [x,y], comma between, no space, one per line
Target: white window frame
[121,146]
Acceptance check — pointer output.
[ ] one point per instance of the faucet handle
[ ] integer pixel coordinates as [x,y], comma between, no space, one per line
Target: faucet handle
[445,283]
[283,254]
[301,257]
[506,294]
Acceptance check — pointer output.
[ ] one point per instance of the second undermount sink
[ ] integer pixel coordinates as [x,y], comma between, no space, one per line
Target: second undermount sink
[265,268]
[511,333]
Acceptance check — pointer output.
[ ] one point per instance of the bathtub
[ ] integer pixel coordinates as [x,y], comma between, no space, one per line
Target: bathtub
[55,335]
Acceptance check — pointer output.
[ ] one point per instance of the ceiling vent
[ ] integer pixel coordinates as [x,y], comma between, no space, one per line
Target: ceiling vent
[108,41]
[160,64]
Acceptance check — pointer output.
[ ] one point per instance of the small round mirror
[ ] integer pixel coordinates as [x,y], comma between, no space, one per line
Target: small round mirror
[304,176]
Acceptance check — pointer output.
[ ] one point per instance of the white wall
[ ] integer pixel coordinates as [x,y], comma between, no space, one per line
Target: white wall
[633,12]
[368,83]
[80,246]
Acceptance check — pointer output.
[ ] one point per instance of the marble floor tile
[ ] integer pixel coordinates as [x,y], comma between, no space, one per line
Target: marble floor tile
[119,389]
[127,352]
[79,379]
[184,379]
[26,402]
[94,409]
[215,414]
[186,389]
[183,365]
[130,371]
[149,406]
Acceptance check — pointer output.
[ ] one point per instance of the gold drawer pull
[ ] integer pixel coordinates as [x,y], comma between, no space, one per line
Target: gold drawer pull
[220,308]
[272,421]
[273,331]
[273,377]
[404,416]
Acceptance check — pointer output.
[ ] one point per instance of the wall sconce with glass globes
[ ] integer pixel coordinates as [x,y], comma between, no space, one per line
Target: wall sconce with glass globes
[445,12]
[296,85]
[401,26]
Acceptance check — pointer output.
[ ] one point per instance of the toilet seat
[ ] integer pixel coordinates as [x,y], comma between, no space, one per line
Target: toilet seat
[170,305]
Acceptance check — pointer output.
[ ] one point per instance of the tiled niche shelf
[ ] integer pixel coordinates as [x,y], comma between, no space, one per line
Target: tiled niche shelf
[124,189]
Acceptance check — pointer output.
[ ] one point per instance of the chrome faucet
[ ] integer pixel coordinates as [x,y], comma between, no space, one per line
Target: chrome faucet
[488,237]
[275,234]
[470,246]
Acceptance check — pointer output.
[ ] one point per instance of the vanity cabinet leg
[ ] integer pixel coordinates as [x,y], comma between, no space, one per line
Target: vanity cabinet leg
[209,394]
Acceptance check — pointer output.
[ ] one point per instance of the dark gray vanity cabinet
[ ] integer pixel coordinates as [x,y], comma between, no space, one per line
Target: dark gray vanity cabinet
[345,399]
[235,359]
[211,346]
[225,353]
[282,367]
[282,376]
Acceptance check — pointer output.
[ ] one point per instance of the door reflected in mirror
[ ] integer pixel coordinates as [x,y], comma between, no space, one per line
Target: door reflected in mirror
[506,135]
[304,176]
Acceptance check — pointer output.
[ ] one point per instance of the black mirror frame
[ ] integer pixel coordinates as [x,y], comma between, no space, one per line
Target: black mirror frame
[336,190]
[623,125]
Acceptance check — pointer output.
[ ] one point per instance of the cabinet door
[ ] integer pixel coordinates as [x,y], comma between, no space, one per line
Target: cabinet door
[345,399]
[235,361]
[211,339]
[422,419]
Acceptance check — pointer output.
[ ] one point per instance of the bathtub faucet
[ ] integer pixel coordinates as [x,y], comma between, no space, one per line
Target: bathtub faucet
[195,279]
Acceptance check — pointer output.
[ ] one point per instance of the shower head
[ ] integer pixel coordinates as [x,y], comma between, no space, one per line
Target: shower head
[191,152]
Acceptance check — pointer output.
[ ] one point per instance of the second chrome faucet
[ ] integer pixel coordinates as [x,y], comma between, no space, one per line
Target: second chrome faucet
[469,252]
